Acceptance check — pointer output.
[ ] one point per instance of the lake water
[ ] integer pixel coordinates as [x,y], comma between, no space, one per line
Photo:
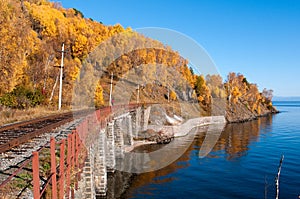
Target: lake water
[243,163]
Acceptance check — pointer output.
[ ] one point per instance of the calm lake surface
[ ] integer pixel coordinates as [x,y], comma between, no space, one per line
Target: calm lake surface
[243,164]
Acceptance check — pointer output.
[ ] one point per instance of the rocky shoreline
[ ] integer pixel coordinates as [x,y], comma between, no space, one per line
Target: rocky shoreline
[240,112]
[251,118]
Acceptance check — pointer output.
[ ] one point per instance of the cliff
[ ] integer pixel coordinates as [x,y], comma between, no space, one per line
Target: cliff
[240,112]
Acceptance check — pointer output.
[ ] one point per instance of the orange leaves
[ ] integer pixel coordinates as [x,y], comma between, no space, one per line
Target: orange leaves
[16,43]
[215,84]
[72,69]
[236,86]
[173,96]
[45,18]
[202,91]
[240,89]
[98,99]
[79,48]
[235,94]
[150,56]
[186,72]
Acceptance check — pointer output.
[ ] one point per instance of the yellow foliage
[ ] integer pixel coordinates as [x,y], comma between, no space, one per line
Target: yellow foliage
[235,92]
[98,99]
[173,95]
[80,46]
[200,98]
[16,42]
[188,75]
[258,110]
[45,17]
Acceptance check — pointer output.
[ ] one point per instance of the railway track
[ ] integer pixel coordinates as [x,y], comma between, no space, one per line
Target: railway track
[15,134]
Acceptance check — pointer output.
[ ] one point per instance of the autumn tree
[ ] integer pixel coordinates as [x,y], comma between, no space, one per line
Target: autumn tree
[16,43]
[267,96]
[236,87]
[202,91]
[215,84]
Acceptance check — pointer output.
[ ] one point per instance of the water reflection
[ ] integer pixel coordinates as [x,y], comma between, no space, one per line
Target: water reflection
[233,143]
[236,137]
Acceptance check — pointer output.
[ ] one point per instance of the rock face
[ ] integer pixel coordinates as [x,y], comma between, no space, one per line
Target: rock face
[239,112]
[157,115]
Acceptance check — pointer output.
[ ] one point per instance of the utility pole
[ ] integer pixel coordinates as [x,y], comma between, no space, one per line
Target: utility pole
[110,92]
[61,75]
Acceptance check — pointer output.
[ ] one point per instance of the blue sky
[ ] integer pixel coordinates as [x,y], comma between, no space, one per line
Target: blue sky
[258,38]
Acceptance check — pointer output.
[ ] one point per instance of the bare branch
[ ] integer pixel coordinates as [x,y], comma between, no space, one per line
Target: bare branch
[277,177]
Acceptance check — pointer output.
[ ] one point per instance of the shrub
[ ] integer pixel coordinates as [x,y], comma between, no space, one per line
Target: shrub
[22,98]
[8,100]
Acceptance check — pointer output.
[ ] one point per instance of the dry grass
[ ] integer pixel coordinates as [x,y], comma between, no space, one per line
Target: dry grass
[8,115]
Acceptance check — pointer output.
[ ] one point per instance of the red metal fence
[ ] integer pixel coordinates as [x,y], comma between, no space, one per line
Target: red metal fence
[68,162]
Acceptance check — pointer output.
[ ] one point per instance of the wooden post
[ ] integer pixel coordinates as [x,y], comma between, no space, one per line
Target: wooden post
[36,175]
[61,75]
[53,168]
[62,169]
[110,90]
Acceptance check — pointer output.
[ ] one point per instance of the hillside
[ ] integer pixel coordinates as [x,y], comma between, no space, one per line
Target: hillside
[31,35]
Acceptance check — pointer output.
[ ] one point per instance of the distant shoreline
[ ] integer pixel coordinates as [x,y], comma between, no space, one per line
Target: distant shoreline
[280,99]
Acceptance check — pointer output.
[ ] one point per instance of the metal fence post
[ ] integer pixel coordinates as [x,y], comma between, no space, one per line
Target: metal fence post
[62,169]
[36,175]
[76,166]
[53,168]
[76,149]
[73,149]
[69,165]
